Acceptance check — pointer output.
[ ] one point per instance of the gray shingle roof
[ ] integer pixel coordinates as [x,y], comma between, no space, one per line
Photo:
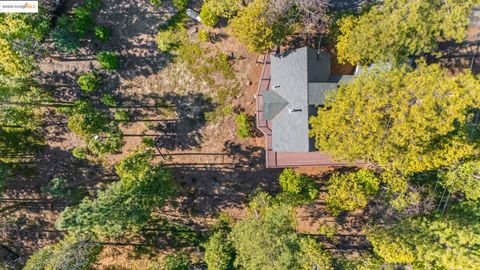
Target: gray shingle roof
[299,80]
[272,104]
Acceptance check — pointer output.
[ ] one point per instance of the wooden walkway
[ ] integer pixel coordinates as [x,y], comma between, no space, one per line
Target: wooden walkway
[284,159]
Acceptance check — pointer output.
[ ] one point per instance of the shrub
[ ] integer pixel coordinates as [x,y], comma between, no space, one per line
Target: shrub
[64,40]
[213,9]
[107,143]
[102,33]
[167,40]
[148,142]
[93,4]
[204,35]
[208,15]
[121,116]
[82,21]
[156,3]
[297,188]
[89,82]
[243,125]
[347,192]
[80,152]
[85,120]
[180,4]
[108,60]
[177,262]
[108,100]
[328,229]
[58,188]
[219,252]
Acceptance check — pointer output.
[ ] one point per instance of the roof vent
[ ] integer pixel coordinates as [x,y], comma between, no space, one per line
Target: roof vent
[292,110]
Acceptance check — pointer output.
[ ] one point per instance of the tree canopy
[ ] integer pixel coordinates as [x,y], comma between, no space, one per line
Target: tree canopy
[253,29]
[20,36]
[297,188]
[397,29]
[448,241]
[268,241]
[347,192]
[464,178]
[409,120]
[71,253]
[125,205]
[219,252]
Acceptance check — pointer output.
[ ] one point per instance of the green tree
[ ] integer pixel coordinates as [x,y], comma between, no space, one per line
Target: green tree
[244,129]
[397,29]
[20,37]
[177,262]
[390,248]
[297,188]
[464,178]
[219,252]
[71,253]
[440,241]
[347,192]
[212,10]
[65,41]
[408,120]
[108,60]
[125,205]
[89,82]
[85,120]
[267,241]
[105,143]
[314,256]
[253,29]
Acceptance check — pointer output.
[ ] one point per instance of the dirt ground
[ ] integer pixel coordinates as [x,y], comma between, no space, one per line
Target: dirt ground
[216,169]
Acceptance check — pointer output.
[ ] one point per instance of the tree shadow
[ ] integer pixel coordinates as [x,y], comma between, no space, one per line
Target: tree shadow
[184,132]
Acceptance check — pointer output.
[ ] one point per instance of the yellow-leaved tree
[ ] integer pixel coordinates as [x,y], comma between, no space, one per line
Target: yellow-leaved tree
[402,119]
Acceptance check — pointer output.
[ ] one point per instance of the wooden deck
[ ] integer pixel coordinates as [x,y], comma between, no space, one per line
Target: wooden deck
[284,159]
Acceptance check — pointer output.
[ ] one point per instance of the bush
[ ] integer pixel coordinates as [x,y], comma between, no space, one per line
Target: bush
[297,188]
[219,252]
[108,100]
[108,60]
[107,143]
[208,16]
[180,4]
[64,40]
[148,142]
[167,40]
[328,229]
[204,35]
[82,21]
[243,125]
[85,120]
[59,189]
[93,4]
[177,262]
[121,116]
[213,9]
[102,33]
[89,82]
[347,192]
[80,152]
[157,3]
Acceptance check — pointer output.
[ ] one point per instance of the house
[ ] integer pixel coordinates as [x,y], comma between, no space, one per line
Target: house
[292,86]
